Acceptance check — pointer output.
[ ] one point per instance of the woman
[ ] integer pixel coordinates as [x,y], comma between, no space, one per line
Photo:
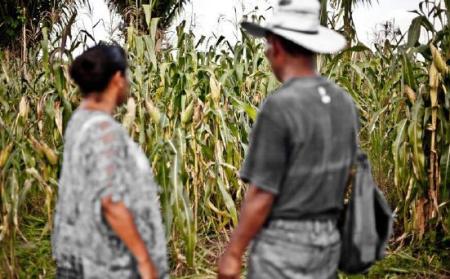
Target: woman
[107,222]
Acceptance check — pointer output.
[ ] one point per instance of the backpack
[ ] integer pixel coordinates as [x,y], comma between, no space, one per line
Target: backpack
[367,222]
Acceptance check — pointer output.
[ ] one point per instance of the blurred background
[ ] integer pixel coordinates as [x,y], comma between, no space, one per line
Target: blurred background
[196,84]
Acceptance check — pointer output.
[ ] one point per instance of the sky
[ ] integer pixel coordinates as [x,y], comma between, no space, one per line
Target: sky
[220,17]
[367,18]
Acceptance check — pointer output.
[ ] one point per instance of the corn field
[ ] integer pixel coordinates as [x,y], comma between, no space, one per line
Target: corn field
[192,112]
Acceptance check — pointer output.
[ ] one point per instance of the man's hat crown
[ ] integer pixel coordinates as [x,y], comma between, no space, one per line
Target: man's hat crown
[285,2]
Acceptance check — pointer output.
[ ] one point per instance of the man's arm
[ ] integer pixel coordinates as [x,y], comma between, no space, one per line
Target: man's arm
[254,212]
[122,223]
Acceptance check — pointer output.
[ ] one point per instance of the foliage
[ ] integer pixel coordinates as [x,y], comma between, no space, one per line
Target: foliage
[401,93]
[345,8]
[421,148]
[192,111]
[27,16]
[134,11]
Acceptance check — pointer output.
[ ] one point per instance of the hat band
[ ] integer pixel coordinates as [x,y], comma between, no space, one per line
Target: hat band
[309,32]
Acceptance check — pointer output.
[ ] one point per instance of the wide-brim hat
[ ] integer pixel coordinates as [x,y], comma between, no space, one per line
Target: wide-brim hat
[298,21]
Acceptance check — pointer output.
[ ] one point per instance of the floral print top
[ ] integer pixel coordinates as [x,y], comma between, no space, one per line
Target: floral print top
[101,160]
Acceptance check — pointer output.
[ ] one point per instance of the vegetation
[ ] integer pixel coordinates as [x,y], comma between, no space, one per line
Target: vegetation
[27,17]
[192,111]
[23,23]
[134,11]
[405,127]
[345,7]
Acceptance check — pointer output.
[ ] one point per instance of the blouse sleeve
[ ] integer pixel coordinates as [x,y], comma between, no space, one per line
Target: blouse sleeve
[106,166]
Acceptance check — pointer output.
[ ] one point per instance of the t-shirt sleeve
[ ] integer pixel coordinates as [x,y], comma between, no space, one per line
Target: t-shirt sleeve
[265,163]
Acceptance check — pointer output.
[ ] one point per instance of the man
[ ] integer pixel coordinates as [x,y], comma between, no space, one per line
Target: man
[300,155]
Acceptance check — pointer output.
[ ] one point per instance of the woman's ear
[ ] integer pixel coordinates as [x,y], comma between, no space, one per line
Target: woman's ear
[118,82]
[121,87]
[117,79]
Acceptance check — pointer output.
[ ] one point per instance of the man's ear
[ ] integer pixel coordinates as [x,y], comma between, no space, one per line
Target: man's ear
[277,48]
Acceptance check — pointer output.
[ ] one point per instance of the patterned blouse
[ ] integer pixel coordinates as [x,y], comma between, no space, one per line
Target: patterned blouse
[101,160]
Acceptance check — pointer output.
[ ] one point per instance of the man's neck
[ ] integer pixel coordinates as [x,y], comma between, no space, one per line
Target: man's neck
[290,74]
[298,69]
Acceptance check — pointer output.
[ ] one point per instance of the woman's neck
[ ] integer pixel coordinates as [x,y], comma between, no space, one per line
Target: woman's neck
[99,103]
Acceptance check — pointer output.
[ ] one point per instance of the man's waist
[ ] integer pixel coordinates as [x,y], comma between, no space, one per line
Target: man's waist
[317,233]
[302,225]
[332,215]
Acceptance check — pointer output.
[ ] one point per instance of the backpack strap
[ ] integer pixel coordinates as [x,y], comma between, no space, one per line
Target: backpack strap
[355,134]
[358,152]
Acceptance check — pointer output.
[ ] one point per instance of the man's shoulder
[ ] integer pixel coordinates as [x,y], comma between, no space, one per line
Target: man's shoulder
[294,93]
[282,94]
[338,89]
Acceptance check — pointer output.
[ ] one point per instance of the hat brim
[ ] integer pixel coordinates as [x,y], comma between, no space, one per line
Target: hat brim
[324,41]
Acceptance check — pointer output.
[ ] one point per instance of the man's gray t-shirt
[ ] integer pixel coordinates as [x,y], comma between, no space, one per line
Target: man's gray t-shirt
[302,147]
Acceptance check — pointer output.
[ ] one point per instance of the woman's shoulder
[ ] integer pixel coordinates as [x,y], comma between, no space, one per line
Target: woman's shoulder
[85,124]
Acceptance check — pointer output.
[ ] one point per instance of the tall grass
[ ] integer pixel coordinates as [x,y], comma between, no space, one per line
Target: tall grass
[192,111]
[193,116]
[402,95]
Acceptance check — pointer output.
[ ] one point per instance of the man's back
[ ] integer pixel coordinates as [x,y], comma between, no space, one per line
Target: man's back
[302,147]
[299,156]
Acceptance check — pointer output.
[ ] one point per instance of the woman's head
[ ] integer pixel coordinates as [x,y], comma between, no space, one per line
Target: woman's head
[99,69]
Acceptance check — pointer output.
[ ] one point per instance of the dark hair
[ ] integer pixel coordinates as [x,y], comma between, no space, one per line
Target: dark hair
[293,48]
[93,70]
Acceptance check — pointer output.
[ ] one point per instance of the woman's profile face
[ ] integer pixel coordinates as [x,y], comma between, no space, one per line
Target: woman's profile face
[125,92]
[122,87]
